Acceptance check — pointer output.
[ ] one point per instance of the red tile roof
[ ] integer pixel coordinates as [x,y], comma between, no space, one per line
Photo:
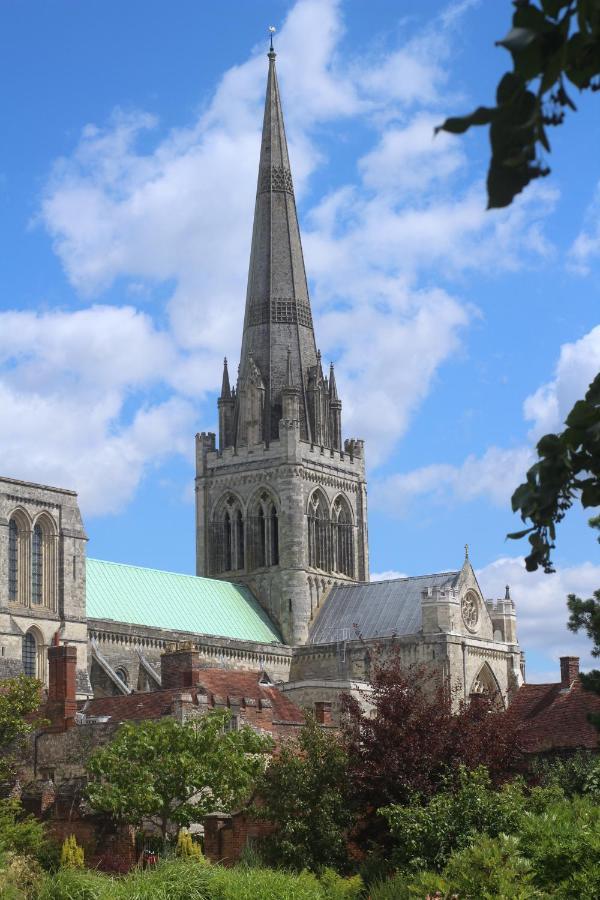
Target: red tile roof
[223,686]
[555,717]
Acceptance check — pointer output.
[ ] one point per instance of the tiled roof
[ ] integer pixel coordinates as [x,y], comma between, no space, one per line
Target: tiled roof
[177,602]
[376,609]
[221,685]
[555,717]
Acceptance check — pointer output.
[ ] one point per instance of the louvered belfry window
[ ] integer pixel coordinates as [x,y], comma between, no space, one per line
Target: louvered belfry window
[13,561]
[37,566]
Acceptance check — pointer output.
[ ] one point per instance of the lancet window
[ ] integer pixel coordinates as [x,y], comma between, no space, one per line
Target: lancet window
[32,563]
[343,537]
[319,533]
[227,537]
[30,655]
[264,532]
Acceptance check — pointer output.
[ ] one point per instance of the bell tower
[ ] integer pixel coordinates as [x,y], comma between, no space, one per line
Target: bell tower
[281,502]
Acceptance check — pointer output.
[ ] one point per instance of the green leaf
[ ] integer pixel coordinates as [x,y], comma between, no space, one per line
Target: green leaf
[483,115]
[517,39]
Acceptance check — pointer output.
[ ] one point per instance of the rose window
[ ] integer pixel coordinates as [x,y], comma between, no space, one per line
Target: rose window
[470,611]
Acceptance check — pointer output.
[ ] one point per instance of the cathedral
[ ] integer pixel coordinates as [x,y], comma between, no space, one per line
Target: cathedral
[282,555]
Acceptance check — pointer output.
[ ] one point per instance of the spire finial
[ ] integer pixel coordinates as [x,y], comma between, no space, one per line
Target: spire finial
[466,552]
[507,594]
[272,31]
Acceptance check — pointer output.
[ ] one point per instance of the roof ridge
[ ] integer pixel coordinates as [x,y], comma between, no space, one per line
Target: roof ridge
[109,562]
[405,578]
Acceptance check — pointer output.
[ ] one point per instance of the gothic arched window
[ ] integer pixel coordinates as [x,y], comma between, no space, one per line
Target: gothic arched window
[263,539]
[343,542]
[30,655]
[319,533]
[227,543]
[37,566]
[13,561]
[274,529]
[239,540]
[226,537]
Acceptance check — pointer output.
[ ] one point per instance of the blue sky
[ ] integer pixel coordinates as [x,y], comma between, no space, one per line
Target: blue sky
[127,175]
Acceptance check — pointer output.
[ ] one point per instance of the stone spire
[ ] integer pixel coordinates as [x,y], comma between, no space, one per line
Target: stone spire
[278,311]
[225,386]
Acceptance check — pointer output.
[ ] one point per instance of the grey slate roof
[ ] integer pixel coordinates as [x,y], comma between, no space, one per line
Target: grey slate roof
[376,609]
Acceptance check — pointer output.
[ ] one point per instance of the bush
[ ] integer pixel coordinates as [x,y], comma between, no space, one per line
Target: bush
[187,848]
[20,877]
[335,887]
[19,833]
[426,835]
[72,856]
[574,775]
[172,879]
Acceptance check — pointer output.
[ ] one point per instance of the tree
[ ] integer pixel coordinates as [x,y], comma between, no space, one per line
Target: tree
[551,42]
[304,792]
[19,700]
[415,740]
[174,774]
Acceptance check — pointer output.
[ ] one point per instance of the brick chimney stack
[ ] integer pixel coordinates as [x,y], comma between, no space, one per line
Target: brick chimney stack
[569,670]
[62,703]
[323,712]
[179,666]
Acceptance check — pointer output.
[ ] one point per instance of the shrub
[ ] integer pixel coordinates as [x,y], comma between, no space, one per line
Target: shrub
[19,833]
[426,835]
[20,877]
[574,775]
[335,887]
[72,856]
[563,844]
[187,848]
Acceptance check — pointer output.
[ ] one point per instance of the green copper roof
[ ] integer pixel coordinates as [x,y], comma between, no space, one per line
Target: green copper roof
[178,602]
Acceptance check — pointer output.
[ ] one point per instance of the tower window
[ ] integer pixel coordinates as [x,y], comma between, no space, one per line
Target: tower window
[227,538]
[319,533]
[239,539]
[30,655]
[343,538]
[274,523]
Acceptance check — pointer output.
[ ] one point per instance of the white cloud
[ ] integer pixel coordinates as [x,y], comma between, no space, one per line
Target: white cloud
[492,476]
[389,575]
[541,607]
[176,208]
[578,364]
[586,245]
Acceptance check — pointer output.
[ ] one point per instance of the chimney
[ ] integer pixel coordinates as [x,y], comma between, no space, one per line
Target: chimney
[62,704]
[323,712]
[569,670]
[179,666]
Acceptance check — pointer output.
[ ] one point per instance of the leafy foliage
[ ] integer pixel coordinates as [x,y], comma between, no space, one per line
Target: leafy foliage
[426,835]
[175,774]
[568,468]
[19,698]
[415,743]
[21,834]
[305,791]
[575,775]
[551,42]
[553,851]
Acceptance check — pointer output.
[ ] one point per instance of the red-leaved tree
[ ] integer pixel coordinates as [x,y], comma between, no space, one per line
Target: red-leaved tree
[416,736]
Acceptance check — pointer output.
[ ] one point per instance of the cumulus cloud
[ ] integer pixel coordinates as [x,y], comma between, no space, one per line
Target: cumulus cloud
[492,476]
[144,208]
[578,364]
[541,608]
[586,245]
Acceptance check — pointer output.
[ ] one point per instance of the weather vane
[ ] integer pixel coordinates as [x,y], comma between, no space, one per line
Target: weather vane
[272,31]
